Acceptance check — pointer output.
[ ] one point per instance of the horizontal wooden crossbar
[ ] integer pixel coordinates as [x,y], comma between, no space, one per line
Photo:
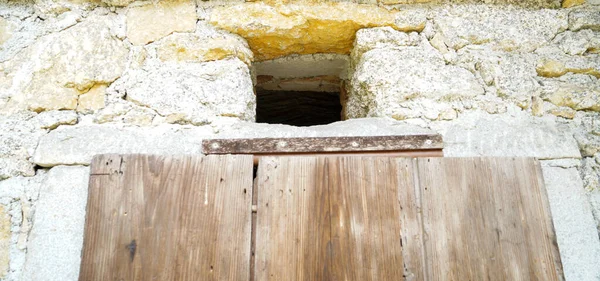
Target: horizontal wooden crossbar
[325,145]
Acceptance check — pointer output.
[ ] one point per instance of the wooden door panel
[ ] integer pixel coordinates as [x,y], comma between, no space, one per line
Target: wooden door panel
[318,218]
[404,219]
[486,219]
[318,221]
[168,218]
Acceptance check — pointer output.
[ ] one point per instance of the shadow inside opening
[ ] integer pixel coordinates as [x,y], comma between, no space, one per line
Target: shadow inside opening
[297,108]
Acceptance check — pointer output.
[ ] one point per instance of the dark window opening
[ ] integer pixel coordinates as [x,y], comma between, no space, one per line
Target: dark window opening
[297,108]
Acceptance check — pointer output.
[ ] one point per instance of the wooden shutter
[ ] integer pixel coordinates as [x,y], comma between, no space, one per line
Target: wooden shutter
[350,218]
[318,218]
[168,218]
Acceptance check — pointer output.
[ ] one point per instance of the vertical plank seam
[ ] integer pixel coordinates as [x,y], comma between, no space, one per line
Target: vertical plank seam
[419,200]
[253,223]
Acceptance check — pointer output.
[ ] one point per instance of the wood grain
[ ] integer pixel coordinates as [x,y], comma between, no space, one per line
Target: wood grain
[168,218]
[486,219]
[322,144]
[318,221]
[365,219]
[318,218]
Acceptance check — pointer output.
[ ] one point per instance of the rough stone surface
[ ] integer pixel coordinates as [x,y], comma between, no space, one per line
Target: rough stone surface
[382,37]
[92,100]
[274,31]
[576,233]
[49,8]
[76,145]
[4,242]
[572,3]
[195,93]
[52,73]
[352,127]
[17,198]
[188,47]
[118,2]
[578,43]
[512,75]
[586,129]
[594,198]
[385,78]
[153,21]
[590,173]
[18,139]
[504,28]
[56,240]
[579,92]
[585,19]
[6,30]
[478,134]
[52,119]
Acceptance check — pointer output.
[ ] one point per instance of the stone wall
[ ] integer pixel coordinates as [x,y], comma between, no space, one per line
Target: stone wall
[495,78]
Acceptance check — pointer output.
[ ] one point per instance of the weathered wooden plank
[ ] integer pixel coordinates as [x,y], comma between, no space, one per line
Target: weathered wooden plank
[169,218]
[322,144]
[365,219]
[293,224]
[485,219]
[328,218]
[106,164]
[413,254]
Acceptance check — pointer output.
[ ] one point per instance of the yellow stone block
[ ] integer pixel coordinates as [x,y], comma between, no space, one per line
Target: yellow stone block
[572,3]
[93,99]
[277,30]
[551,68]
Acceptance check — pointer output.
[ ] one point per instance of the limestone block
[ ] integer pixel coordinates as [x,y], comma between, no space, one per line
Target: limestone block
[579,92]
[476,134]
[56,239]
[572,3]
[584,19]
[382,37]
[590,173]
[18,139]
[557,66]
[385,78]
[195,92]
[350,127]
[76,145]
[52,119]
[4,242]
[52,73]
[188,47]
[504,28]
[578,43]
[6,30]
[49,8]
[586,130]
[92,100]
[156,20]
[512,74]
[274,31]
[16,197]
[298,66]
[125,112]
[576,233]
